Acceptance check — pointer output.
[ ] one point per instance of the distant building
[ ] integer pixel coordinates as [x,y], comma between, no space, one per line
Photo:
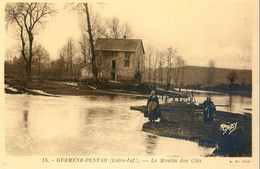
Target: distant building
[119,59]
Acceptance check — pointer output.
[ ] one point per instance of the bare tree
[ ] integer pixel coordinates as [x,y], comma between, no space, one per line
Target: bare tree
[83,8]
[84,48]
[117,30]
[179,64]
[91,41]
[154,70]
[13,16]
[161,64]
[232,77]
[77,61]
[170,54]
[27,16]
[59,65]
[14,67]
[98,30]
[149,55]
[67,53]
[41,56]
[94,28]
[97,25]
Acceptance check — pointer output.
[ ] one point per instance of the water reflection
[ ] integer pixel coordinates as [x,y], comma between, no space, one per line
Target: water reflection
[109,97]
[228,102]
[84,125]
[25,118]
[151,143]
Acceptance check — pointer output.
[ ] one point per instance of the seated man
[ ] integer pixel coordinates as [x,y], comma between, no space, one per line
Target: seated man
[153,107]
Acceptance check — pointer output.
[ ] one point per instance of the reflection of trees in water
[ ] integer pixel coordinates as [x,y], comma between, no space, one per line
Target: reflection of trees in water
[107,97]
[25,118]
[111,97]
[93,114]
[242,100]
[230,102]
[26,104]
[98,113]
[151,143]
[97,116]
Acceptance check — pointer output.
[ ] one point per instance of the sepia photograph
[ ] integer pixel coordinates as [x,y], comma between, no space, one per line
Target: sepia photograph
[129,78]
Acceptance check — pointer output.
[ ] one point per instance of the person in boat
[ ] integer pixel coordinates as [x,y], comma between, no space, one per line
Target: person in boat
[209,109]
[153,107]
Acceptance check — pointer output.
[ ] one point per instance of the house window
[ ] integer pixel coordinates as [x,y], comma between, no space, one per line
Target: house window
[127,59]
[107,53]
[113,64]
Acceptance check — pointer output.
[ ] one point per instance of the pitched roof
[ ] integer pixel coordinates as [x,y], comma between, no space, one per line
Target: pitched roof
[110,44]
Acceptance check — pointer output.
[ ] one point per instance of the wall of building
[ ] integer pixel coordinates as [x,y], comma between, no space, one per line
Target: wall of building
[141,60]
[104,65]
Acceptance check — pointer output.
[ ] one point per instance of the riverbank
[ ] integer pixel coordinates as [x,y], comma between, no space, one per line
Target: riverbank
[56,88]
[92,87]
[183,121]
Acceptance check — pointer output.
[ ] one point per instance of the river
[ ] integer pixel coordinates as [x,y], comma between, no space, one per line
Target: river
[227,102]
[86,125]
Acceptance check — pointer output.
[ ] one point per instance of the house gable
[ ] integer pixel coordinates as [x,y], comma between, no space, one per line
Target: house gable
[126,45]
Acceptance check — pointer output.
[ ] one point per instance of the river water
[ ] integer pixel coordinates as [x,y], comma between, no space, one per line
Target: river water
[85,125]
[227,102]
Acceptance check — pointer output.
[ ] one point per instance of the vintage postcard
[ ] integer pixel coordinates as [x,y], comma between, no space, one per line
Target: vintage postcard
[130,84]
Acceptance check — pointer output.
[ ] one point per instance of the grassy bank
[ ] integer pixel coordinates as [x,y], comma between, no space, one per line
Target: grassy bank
[74,88]
[182,123]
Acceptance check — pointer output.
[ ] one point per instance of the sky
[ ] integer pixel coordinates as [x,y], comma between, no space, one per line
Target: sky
[200,30]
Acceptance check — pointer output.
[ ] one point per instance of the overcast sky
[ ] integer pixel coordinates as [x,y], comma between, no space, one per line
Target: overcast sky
[201,30]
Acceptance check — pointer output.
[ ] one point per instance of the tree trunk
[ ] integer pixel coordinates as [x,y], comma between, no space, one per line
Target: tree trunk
[71,70]
[23,53]
[177,77]
[149,69]
[39,67]
[30,55]
[91,41]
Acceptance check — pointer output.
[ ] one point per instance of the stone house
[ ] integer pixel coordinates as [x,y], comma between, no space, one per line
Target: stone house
[119,59]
